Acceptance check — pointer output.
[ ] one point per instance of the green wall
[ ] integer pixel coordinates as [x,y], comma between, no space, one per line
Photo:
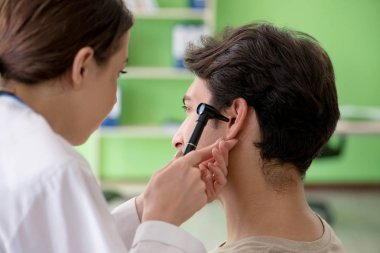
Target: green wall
[151,42]
[133,158]
[152,101]
[350,32]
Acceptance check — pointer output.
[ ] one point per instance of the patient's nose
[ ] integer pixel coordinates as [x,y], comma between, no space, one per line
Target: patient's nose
[177,140]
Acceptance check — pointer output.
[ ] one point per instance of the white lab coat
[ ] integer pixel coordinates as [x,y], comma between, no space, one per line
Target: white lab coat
[51,202]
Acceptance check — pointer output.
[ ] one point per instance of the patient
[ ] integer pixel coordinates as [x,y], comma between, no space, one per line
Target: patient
[277,88]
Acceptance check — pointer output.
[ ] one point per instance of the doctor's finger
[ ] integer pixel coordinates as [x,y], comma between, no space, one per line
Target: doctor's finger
[207,178]
[219,178]
[196,157]
[220,160]
[178,155]
[217,173]
[224,150]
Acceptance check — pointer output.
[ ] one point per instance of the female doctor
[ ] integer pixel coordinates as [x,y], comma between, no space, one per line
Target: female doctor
[59,63]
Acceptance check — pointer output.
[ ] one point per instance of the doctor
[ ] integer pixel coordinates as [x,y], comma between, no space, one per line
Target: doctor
[59,64]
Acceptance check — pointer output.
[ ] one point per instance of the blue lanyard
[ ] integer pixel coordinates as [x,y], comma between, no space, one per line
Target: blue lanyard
[9,94]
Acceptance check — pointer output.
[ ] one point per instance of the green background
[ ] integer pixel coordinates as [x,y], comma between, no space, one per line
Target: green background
[348,30]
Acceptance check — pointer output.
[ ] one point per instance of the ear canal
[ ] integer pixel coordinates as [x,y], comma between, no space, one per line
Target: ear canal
[232,121]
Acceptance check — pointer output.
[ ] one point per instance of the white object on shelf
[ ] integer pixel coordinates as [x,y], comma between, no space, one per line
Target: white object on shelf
[113,118]
[147,6]
[182,36]
[116,110]
[172,13]
[198,3]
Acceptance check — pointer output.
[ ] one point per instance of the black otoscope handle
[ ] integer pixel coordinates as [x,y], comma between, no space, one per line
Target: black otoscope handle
[196,135]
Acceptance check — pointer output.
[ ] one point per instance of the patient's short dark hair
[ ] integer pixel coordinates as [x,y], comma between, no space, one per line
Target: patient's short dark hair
[286,76]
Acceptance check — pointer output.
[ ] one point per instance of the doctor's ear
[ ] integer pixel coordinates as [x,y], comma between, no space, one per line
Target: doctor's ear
[81,64]
[237,113]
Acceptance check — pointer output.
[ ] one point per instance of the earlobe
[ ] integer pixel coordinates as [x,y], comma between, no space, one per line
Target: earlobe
[238,114]
[81,64]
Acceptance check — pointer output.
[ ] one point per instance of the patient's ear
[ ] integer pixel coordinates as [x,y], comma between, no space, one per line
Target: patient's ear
[237,113]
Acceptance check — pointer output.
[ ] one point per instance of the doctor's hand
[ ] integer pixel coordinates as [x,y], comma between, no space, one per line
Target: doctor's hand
[177,191]
[214,171]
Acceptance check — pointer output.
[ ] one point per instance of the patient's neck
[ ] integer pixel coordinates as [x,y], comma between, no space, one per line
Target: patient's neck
[253,207]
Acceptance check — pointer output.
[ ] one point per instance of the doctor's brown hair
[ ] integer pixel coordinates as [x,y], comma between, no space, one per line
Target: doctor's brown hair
[285,76]
[39,39]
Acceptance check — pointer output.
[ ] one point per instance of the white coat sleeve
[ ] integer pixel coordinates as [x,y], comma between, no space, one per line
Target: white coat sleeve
[152,236]
[127,221]
[161,237]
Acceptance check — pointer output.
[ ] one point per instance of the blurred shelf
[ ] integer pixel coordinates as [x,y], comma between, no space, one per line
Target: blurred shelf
[157,73]
[360,113]
[172,14]
[125,187]
[358,127]
[343,127]
[166,131]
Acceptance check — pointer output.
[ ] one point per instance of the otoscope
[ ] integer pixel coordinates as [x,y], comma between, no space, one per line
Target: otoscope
[205,113]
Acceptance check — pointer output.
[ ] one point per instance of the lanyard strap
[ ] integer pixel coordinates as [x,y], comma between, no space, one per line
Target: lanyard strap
[10,94]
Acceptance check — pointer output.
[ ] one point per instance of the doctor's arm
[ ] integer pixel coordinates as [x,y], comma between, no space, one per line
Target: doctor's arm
[172,196]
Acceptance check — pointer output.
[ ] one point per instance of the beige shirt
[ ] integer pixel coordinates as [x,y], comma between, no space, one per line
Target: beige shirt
[328,243]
